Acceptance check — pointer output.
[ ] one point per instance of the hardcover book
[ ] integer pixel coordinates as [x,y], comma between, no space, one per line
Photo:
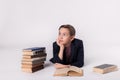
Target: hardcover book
[38,52]
[34,59]
[105,68]
[34,56]
[31,66]
[34,49]
[32,62]
[31,70]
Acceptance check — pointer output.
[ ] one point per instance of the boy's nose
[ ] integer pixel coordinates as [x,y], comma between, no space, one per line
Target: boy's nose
[60,37]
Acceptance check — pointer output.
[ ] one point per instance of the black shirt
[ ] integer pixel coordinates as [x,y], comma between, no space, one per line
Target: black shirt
[76,54]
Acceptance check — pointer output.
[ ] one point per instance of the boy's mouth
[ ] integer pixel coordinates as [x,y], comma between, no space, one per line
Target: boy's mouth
[61,40]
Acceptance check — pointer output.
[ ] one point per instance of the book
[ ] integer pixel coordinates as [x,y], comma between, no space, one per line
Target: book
[105,68]
[71,71]
[31,70]
[31,66]
[32,62]
[34,49]
[38,52]
[34,59]
[34,56]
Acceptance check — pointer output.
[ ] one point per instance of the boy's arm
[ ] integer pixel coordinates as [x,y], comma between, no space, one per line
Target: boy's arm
[59,66]
[60,54]
[80,56]
[56,58]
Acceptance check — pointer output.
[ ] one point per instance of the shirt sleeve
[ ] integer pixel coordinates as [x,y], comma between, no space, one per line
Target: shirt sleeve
[56,58]
[80,56]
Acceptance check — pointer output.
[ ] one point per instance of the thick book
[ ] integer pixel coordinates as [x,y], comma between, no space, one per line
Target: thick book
[34,56]
[33,62]
[37,52]
[31,70]
[34,49]
[34,59]
[105,68]
[71,71]
[31,66]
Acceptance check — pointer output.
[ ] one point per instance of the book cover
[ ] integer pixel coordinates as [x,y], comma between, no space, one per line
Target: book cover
[105,68]
[34,49]
[37,52]
[31,70]
[32,62]
[31,66]
[34,56]
[34,59]
[71,71]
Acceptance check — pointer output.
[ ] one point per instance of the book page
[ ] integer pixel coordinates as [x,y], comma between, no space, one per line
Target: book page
[61,72]
[76,69]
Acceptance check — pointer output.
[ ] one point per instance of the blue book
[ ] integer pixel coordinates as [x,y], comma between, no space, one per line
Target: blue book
[35,49]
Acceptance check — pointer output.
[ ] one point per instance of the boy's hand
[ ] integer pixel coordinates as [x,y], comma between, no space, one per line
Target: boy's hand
[59,43]
[59,66]
[60,54]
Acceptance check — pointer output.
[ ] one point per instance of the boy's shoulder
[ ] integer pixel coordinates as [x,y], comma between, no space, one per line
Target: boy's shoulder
[77,41]
[55,44]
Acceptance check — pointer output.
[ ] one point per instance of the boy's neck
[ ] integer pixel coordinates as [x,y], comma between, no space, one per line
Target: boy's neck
[68,45]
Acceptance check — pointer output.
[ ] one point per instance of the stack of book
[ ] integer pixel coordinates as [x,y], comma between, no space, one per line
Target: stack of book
[33,59]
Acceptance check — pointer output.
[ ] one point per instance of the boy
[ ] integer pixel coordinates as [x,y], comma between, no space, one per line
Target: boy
[67,50]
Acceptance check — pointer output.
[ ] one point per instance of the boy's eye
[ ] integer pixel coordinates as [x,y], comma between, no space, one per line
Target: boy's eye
[64,34]
[59,34]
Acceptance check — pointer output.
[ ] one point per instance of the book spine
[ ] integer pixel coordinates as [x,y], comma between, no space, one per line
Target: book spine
[33,52]
[31,70]
[31,66]
[34,59]
[34,49]
[34,56]
[32,63]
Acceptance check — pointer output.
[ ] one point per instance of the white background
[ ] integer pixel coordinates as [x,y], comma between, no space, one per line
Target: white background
[31,23]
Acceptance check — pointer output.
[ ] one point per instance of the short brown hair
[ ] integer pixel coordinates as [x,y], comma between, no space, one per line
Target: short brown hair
[70,28]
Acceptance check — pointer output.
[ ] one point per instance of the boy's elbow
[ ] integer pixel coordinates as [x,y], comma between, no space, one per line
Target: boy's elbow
[56,66]
[80,64]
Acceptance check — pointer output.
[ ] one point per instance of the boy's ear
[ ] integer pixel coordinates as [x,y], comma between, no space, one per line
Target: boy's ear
[72,38]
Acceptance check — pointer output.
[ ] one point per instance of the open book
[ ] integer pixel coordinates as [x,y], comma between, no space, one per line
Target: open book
[71,71]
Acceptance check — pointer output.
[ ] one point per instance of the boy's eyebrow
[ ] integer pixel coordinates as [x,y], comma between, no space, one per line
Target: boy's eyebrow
[63,32]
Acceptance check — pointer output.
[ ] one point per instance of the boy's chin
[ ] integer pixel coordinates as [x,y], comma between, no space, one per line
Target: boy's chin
[62,43]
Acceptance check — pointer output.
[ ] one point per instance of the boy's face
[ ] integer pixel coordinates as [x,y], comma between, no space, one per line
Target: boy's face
[64,36]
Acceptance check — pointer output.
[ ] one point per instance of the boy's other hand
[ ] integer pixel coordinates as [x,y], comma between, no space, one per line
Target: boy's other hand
[59,66]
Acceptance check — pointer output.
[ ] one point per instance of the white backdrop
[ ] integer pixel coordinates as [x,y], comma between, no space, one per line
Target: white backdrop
[29,23]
